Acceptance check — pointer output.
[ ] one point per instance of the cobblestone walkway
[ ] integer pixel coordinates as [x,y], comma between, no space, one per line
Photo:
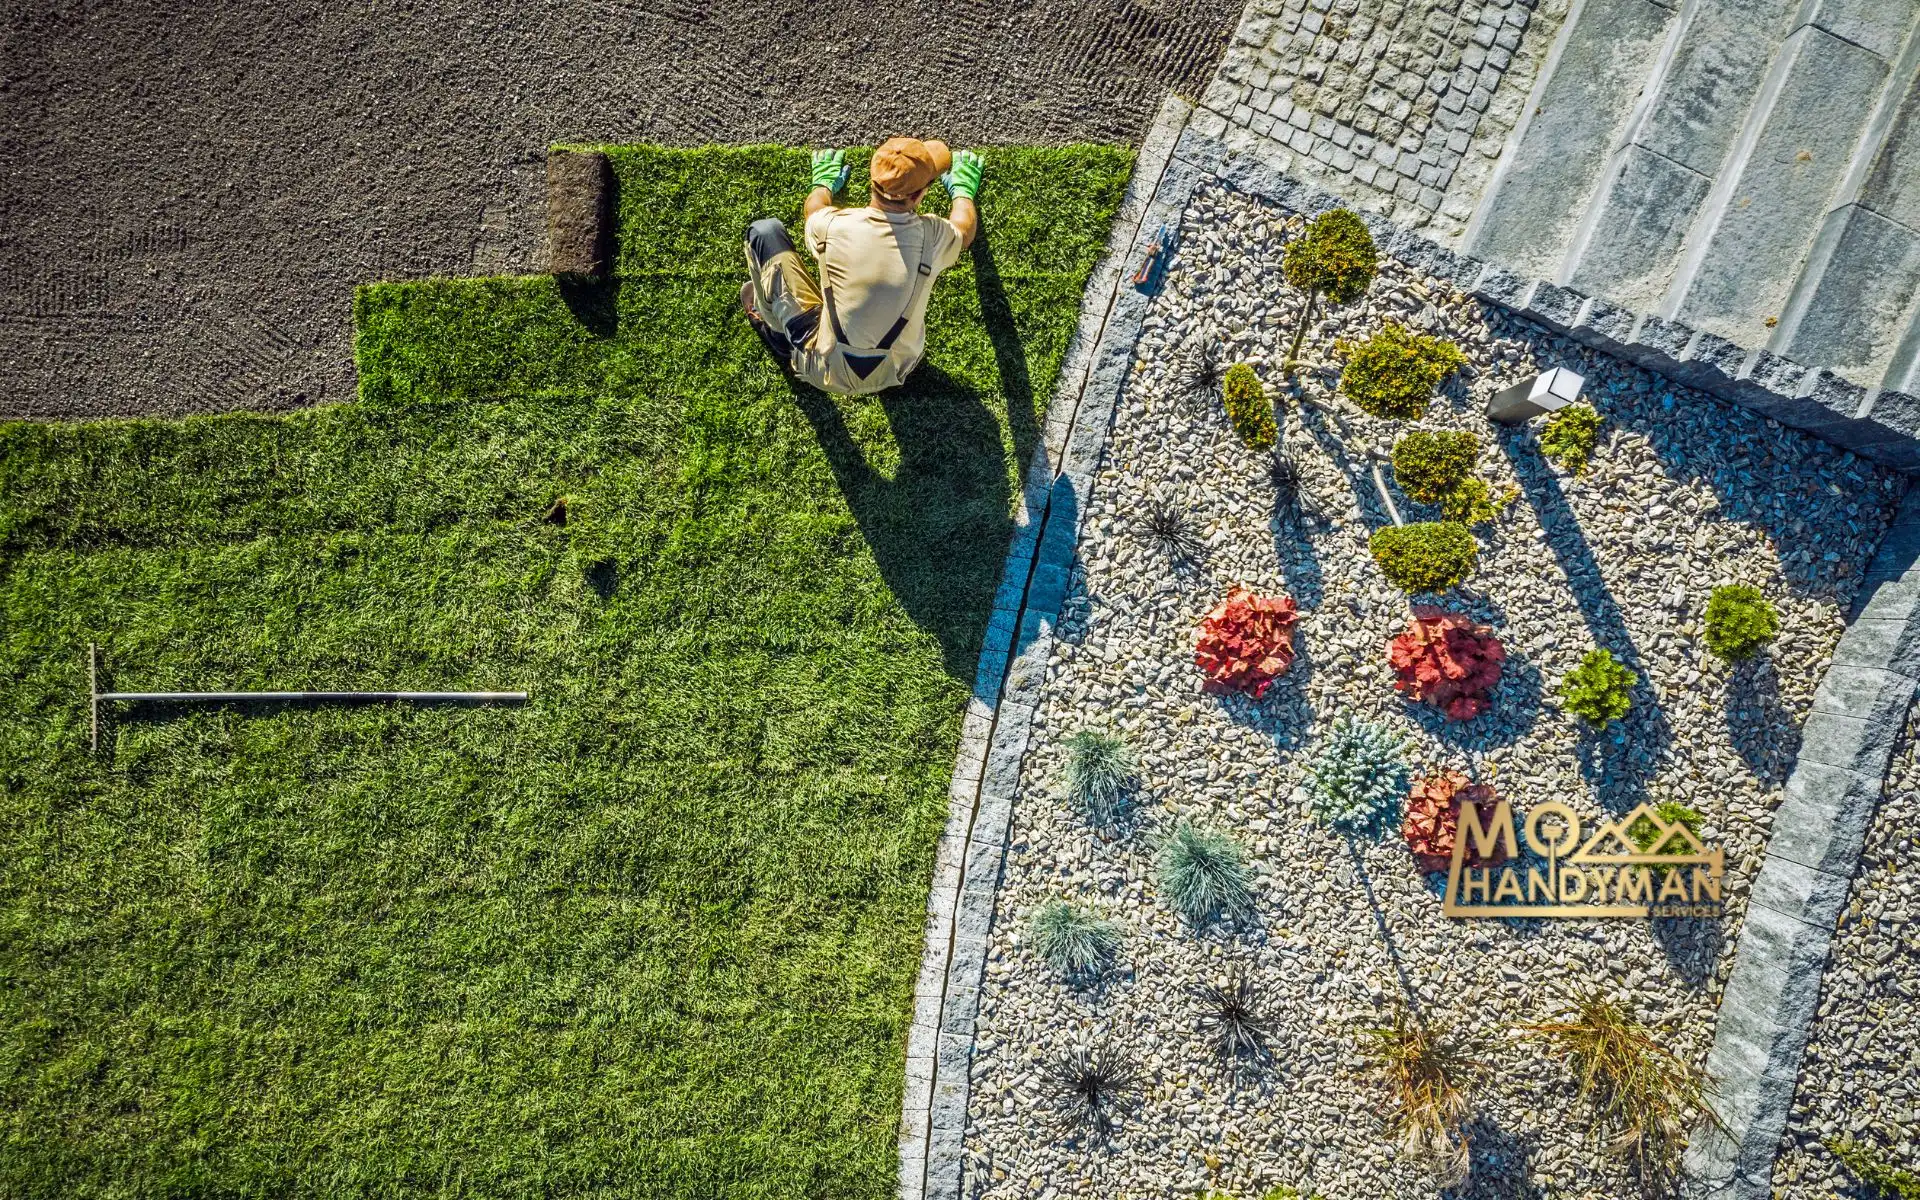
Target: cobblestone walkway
[1400,108]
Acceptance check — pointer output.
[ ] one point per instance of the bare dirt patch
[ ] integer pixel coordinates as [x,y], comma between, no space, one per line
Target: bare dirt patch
[193,192]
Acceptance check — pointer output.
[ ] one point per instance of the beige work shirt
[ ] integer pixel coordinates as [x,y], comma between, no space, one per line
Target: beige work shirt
[869,263]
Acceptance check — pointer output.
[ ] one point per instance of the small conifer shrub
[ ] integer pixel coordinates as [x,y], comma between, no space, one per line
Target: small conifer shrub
[1425,556]
[1739,622]
[1100,767]
[1355,782]
[1600,689]
[1204,872]
[1874,1169]
[1248,408]
[1570,436]
[1073,940]
[1428,466]
[1393,373]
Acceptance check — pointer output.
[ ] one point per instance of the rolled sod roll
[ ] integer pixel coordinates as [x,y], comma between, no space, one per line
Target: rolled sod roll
[579,213]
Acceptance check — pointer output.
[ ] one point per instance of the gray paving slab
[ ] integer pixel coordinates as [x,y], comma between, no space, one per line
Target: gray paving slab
[1599,64]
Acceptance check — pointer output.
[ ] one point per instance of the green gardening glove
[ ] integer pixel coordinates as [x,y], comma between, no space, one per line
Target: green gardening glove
[830,170]
[963,179]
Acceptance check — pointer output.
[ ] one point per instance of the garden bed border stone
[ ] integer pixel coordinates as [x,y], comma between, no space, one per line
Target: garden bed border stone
[1857,716]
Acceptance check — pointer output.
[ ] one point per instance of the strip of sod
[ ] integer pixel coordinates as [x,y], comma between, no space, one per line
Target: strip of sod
[652,935]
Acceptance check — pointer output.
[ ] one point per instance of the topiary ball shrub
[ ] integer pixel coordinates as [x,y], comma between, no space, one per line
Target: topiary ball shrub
[1248,408]
[1599,690]
[1570,436]
[1334,258]
[1099,769]
[1739,622]
[1428,466]
[1446,660]
[1426,556]
[1073,940]
[1203,872]
[1246,642]
[1357,778]
[1432,821]
[1393,373]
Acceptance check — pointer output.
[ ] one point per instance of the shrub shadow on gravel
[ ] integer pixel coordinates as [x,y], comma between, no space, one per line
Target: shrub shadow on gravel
[1619,762]
[1692,946]
[1502,1162]
[1761,732]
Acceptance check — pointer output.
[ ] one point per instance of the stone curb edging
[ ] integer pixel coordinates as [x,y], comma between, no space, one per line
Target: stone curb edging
[1767,1010]
[1878,424]
[1012,667]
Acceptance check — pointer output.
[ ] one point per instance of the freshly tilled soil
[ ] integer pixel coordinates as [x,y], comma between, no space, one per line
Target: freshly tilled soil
[191,192]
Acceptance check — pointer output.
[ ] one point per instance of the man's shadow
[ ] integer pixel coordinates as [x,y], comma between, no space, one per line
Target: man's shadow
[940,526]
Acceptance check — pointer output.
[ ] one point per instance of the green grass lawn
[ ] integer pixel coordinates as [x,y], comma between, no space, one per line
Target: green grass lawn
[654,934]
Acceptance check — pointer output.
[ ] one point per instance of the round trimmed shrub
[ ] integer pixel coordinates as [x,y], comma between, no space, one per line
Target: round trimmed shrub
[1334,257]
[1203,872]
[1393,373]
[1429,466]
[1426,556]
[1354,784]
[1739,622]
[1600,689]
[1073,940]
[1248,408]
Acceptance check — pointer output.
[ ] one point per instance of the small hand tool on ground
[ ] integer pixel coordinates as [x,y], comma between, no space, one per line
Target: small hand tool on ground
[1153,268]
[93,679]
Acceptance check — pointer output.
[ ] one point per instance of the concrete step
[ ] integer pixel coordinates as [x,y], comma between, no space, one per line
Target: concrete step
[1587,95]
[1706,82]
[1855,298]
[1758,222]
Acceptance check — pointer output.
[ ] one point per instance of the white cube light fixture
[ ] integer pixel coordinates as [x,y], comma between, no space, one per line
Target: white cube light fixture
[1544,393]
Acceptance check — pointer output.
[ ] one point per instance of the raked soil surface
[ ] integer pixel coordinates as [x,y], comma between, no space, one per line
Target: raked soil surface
[192,192]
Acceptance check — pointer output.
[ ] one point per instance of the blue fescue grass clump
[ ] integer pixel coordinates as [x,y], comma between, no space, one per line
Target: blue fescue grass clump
[1204,872]
[1074,940]
[654,933]
[1357,781]
[1099,772]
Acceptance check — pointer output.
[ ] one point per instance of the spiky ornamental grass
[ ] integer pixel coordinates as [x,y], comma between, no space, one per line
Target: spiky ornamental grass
[1168,531]
[1099,774]
[1093,1090]
[1644,1097]
[1231,1017]
[1426,1070]
[1074,941]
[1203,872]
[1355,783]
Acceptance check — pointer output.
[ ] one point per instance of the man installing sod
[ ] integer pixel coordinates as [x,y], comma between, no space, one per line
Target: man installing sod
[877,267]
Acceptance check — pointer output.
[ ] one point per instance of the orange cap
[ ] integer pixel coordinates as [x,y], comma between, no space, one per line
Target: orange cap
[903,166]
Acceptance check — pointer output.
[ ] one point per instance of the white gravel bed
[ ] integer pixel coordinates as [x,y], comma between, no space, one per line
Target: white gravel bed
[1861,1077]
[1685,494]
